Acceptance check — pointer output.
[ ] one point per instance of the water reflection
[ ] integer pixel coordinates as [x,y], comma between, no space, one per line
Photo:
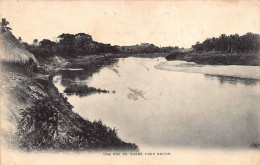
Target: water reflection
[69,77]
[233,80]
[73,76]
[81,95]
[180,109]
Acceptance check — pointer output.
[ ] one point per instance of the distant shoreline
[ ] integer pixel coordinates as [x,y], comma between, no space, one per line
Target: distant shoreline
[249,72]
[217,58]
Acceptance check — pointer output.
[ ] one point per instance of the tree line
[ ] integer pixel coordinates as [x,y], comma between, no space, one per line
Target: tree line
[81,44]
[69,45]
[148,48]
[233,43]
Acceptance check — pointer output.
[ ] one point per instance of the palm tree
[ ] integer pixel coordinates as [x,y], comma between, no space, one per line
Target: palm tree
[4,24]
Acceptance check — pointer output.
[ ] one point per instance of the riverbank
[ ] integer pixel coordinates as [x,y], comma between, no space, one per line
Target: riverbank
[248,72]
[210,58]
[37,117]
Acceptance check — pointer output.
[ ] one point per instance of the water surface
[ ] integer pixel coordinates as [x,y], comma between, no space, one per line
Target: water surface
[178,109]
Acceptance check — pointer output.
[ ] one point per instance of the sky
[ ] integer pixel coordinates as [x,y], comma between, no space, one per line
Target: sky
[163,23]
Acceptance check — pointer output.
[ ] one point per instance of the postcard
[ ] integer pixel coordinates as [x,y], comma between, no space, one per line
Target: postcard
[130,82]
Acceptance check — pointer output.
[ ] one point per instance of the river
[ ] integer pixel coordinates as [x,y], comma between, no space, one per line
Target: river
[155,107]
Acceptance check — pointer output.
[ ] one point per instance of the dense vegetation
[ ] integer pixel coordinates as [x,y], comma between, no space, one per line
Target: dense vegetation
[147,48]
[210,58]
[224,50]
[233,43]
[81,44]
[79,89]
[40,129]
[69,45]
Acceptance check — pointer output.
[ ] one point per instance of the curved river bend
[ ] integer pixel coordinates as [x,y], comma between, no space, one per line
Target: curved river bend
[159,108]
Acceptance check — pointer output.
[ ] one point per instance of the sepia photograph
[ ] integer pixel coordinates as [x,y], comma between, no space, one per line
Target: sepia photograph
[129,82]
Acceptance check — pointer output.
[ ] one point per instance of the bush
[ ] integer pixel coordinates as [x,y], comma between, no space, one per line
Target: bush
[83,90]
[38,127]
[45,126]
